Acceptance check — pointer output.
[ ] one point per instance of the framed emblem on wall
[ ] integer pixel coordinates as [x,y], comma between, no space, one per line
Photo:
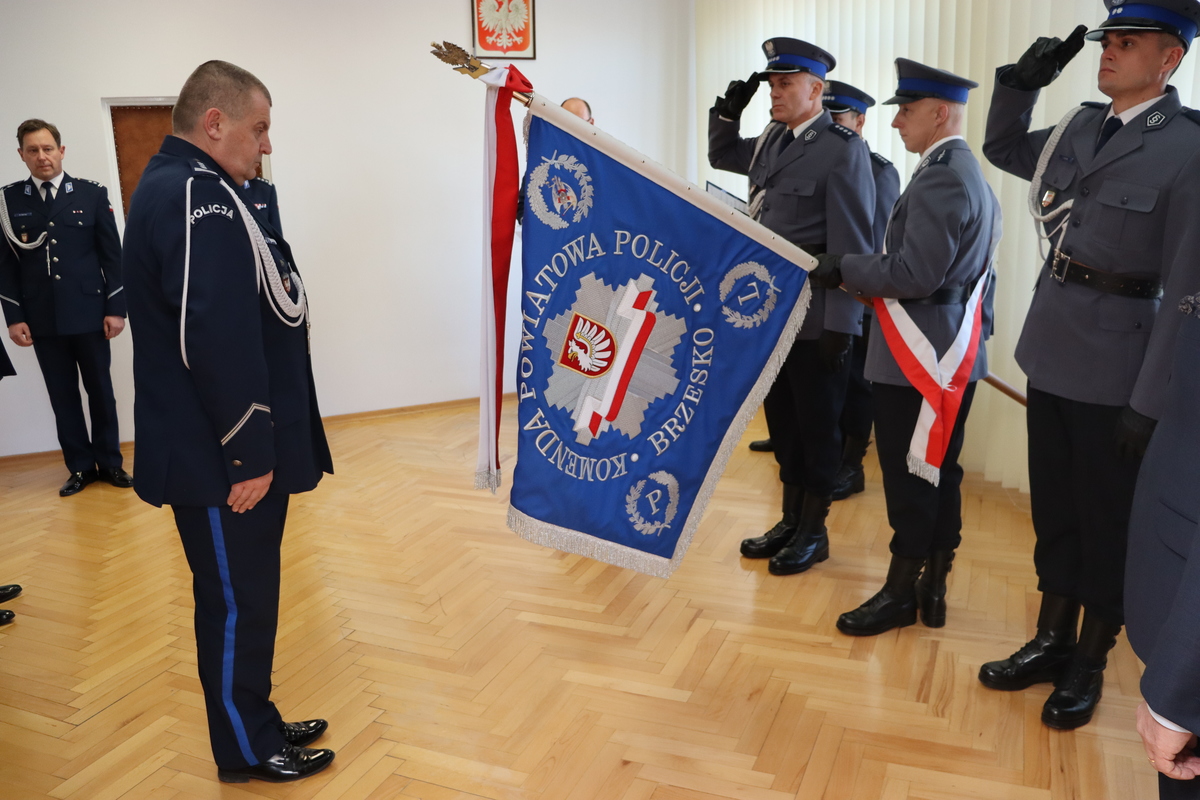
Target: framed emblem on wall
[503,28]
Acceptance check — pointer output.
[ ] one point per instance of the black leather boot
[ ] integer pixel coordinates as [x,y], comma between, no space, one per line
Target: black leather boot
[1076,694]
[893,606]
[810,543]
[931,588]
[775,539]
[851,479]
[1042,659]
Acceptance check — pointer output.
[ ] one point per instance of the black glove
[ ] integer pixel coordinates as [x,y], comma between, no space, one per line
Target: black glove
[1044,60]
[1133,433]
[737,97]
[834,348]
[828,272]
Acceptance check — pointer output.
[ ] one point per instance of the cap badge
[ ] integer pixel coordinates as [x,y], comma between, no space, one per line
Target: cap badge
[1156,119]
[769,47]
[1118,2]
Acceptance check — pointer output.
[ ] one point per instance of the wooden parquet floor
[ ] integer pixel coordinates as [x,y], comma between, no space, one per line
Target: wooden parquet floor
[455,660]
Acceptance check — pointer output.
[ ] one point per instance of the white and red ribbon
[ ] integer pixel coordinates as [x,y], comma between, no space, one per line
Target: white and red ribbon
[500,194]
[941,382]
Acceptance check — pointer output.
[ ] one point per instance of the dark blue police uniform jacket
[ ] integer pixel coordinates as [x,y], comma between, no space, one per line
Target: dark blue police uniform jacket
[73,281]
[228,394]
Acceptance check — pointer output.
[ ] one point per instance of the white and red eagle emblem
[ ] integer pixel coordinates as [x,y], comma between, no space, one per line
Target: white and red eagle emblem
[506,23]
[588,348]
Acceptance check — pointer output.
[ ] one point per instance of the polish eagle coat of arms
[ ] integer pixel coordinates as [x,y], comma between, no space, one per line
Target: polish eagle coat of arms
[506,23]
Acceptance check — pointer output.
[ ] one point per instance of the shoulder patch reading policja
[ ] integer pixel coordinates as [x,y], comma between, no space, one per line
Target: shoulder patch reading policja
[212,209]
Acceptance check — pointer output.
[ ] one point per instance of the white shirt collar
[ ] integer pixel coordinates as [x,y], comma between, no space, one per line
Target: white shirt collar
[803,126]
[1127,116]
[938,144]
[56,182]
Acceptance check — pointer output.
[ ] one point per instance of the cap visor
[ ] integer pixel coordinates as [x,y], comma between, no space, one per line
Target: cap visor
[832,108]
[903,99]
[786,68]
[1131,24]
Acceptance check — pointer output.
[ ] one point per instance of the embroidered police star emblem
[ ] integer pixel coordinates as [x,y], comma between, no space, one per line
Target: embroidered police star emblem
[1157,118]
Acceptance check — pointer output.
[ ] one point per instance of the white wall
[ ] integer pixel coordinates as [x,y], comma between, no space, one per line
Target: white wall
[378,156]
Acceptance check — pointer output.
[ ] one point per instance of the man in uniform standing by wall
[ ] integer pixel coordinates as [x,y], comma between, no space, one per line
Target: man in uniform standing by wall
[848,105]
[1117,188]
[811,183]
[936,274]
[226,413]
[60,287]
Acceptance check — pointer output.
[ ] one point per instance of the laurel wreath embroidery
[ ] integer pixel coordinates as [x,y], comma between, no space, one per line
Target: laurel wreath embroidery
[538,178]
[640,523]
[735,318]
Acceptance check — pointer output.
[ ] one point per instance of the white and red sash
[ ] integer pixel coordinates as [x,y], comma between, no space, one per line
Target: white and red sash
[500,197]
[941,382]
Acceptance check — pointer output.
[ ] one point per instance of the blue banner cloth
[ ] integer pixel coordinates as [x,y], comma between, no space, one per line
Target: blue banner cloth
[654,320]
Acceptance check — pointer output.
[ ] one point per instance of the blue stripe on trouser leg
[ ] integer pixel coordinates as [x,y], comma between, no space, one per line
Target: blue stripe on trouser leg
[230,645]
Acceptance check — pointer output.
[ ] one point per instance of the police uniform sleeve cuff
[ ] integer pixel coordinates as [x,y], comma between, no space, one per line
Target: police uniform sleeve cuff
[1166,723]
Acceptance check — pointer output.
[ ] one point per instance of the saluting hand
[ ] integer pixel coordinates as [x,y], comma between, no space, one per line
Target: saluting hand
[245,495]
[113,326]
[737,97]
[1045,59]
[19,333]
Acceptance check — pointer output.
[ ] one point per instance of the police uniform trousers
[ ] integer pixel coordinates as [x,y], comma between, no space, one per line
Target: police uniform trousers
[857,413]
[1081,496]
[235,580]
[1171,789]
[803,409]
[64,360]
[924,517]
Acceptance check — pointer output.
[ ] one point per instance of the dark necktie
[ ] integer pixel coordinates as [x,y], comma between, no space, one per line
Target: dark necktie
[1111,126]
[787,138]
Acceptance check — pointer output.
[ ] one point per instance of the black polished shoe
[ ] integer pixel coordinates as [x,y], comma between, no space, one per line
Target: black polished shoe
[6,616]
[777,538]
[1044,658]
[117,477]
[931,588]
[762,446]
[289,764]
[851,478]
[299,734]
[1075,696]
[9,592]
[893,606]
[810,543]
[77,482]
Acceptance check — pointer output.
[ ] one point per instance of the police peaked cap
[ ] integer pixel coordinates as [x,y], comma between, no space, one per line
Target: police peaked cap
[842,97]
[916,81]
[1179,18]
[792,55]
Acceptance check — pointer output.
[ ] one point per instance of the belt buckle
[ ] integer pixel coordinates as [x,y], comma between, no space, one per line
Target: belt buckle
[1059,265]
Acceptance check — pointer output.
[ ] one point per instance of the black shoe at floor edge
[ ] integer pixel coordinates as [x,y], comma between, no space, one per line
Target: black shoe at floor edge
[762,446]
[117,477]
[299,734]
[9,592]
[289,764]
[6,616]
[77,482]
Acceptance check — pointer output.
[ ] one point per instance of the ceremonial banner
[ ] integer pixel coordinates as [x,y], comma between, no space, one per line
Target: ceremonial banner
[654,320]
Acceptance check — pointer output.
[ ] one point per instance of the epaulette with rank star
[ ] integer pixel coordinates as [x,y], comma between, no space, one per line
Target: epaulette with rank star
[14,183]
[843,131]
[93,183]
[202,167]
[264,180]
[880,160]
[944,156]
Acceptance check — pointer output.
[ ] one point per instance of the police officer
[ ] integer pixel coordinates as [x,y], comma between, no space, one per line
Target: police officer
[936,272]
[1162,592]
[848,106]
[810,182]
[226,413]
[60,287]
[1114,187]
[262,198]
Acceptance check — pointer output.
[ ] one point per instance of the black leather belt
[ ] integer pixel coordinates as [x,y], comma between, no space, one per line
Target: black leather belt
[1063,269]
[945,296]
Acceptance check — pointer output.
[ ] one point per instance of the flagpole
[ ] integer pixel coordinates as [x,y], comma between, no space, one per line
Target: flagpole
[467,64]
